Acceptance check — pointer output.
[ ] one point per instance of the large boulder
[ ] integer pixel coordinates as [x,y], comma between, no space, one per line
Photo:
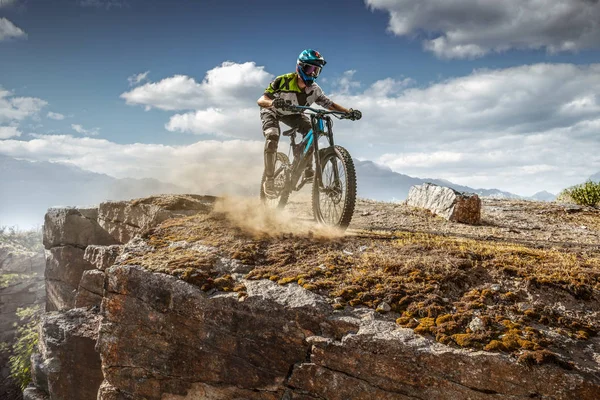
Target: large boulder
[74,227]
[91,288]
[446,202]
[33,393]
[383,361]
[163,338]
[16,259]
[102,257]
[160,335]
[64,268]
[125,219]
[68,365]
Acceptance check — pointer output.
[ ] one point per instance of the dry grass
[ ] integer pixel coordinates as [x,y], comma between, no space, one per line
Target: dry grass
[436,284]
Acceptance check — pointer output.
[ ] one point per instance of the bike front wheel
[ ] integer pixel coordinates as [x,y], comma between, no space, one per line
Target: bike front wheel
[334,201]
[282,183]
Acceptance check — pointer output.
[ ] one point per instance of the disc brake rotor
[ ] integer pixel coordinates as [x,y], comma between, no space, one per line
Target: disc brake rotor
[335,194]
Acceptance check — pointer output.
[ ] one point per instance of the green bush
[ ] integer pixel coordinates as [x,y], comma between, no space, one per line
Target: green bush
[30,239]
[586,194]
[25,344]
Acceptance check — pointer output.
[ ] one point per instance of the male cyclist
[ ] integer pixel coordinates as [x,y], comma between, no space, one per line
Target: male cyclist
[300,89]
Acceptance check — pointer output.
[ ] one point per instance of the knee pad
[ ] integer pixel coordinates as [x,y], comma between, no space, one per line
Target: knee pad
[271,145]
[272,135]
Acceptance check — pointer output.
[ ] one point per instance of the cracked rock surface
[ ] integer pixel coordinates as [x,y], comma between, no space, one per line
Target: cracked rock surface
[162,335]
[157,334]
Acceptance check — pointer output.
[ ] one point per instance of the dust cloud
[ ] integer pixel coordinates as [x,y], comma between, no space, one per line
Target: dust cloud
[250,215]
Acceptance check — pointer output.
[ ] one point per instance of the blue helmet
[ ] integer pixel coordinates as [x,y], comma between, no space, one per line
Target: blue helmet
[310,63]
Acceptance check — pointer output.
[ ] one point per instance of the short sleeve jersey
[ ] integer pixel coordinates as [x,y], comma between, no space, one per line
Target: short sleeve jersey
[286,87]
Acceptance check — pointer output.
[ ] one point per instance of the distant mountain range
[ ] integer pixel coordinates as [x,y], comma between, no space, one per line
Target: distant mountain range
[595,177]
[378,182]
[544,196]
[29,188]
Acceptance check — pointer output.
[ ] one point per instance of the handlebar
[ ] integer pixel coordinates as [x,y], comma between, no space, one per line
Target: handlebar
[337,114]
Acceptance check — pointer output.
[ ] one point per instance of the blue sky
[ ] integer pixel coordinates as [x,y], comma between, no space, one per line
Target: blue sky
[462,62]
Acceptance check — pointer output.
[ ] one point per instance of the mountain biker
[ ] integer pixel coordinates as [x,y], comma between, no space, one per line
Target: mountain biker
[300,89]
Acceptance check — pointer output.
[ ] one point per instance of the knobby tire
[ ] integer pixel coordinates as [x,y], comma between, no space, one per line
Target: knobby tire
[326,155]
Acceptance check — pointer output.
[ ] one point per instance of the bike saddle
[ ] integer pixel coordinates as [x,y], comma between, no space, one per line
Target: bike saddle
[289,132]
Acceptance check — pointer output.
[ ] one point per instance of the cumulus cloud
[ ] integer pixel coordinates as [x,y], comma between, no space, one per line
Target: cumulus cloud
[56,116]
[473,28]
[87,132]
[136,79]
[519,128]
[201,166]
[526,100]
[8,30]
[223,104]
[228,85]
[18,108]
[8,132]
[238,123]
[475,130]
[346,83]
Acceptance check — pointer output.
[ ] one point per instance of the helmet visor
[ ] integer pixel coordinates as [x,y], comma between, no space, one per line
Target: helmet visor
[311,70]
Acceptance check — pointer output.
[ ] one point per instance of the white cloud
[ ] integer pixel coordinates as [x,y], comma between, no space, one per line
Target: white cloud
[18,108]
[200,166]
[346,83]
[223,104]
[228,85]
[56,116]
[88,132]
[521,129]
[472,129]
[8,30]
[136,79]
[239,123]
[8,132]
[524,100]
[473,28]
[521,164]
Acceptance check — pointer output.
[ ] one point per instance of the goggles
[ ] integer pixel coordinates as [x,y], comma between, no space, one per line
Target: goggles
[310,70]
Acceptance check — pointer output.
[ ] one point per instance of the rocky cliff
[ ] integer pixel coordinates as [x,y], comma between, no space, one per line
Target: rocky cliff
[184,297]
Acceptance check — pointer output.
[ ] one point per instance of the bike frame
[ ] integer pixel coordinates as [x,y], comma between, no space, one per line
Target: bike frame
[322,125]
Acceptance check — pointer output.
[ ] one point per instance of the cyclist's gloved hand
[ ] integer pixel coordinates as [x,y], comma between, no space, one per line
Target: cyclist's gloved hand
[354,115]
[279,103]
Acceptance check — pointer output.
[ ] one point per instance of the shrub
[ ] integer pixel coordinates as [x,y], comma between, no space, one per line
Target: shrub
[26,342]
[30,239]
[585,194]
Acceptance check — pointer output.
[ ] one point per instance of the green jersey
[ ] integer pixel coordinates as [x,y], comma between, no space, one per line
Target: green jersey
[286,87]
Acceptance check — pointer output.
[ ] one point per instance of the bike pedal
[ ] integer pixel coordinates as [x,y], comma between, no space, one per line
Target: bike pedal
[309,175]
[307,179]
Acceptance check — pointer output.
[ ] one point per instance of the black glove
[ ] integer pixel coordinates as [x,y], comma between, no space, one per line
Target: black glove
[354,115]
[279,103]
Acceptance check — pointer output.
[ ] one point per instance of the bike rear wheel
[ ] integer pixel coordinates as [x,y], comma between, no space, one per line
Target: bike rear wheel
[282,183]
[333,204]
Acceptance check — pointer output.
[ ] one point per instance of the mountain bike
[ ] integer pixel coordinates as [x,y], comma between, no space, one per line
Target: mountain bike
[334,181]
